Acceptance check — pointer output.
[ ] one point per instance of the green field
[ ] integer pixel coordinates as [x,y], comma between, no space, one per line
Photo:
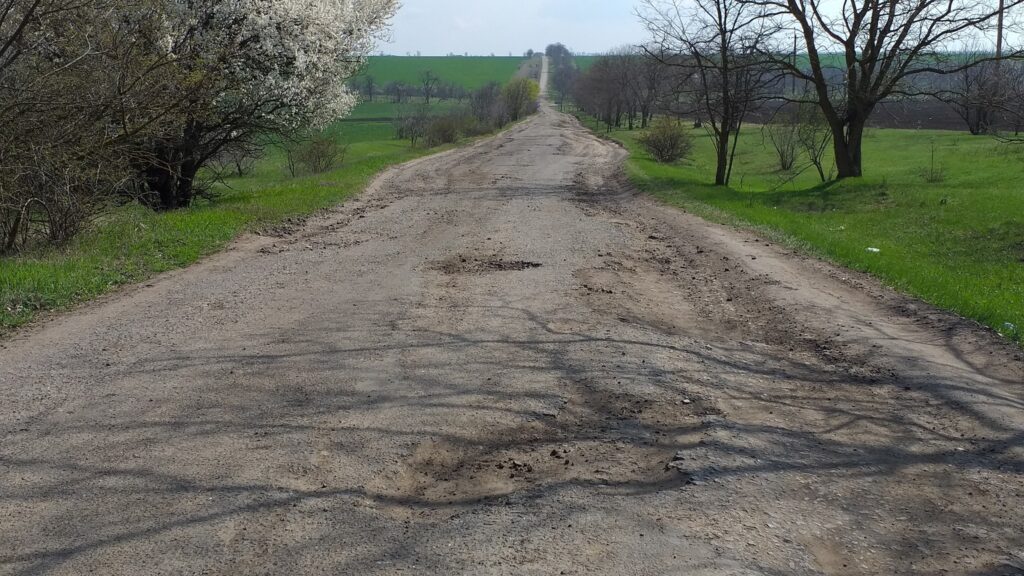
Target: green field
[382,109]
[958,243]
[585,62]
[133,243]
[470,72]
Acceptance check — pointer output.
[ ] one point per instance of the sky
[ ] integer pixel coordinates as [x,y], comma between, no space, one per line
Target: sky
[483,27]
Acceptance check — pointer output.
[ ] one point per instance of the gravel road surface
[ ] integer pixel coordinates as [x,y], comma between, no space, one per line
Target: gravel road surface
[502,360]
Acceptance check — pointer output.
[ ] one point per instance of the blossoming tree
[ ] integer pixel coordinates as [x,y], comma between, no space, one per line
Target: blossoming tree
[248,68]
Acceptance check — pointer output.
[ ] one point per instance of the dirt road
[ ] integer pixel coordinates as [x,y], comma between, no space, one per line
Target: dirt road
[500,360]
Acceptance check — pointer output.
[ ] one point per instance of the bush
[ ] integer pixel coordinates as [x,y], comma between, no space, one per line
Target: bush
[321,153]
[520,98]
[666,141]
[318,154]
[784,134]
[411,124]
[442,130]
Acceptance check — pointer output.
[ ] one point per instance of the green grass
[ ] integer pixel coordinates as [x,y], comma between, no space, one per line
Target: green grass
[383,109]
[958,243]
[132,243]
[585,62]
[470,72]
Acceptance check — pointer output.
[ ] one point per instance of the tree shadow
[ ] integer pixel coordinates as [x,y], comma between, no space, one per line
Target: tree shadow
[429,424]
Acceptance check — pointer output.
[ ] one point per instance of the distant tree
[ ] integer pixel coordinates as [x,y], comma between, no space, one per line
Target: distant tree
[975,93]
[370,86]
[428,83]
[596,92]
[564,75]
[520,98]
[397,91]
[558,52]
[488,106]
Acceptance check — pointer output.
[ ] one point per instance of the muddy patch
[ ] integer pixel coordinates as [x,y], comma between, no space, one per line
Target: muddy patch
[477,265]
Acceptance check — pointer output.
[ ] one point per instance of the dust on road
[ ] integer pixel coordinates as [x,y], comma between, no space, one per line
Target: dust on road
[501,360]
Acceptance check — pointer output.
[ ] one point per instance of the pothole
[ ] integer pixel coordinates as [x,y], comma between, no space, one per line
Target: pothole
[473,265]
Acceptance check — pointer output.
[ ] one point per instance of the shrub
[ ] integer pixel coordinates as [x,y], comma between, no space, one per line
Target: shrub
[784,134]
[316,154]
[411,124]
[321,153]
[442,130]
[666,141]
[520,98]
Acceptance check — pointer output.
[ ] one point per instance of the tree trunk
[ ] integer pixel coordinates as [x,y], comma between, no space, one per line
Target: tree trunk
[722,168]
[186,183]
[163,182]
[12,236]
[847,145]
[172,182]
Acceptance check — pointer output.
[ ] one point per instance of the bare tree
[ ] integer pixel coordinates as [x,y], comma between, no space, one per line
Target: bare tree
[397,90]
[428,82]
[879,48]
[814,136]
[563,72]
[601,93]
[648,83]
[715,43]
[973,95]
[370,85]
[782,131]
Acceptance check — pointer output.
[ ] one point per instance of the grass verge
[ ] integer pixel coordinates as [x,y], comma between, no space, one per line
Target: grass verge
[955,239]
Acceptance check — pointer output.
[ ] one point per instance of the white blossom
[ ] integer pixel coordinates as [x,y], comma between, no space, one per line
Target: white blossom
[288,59]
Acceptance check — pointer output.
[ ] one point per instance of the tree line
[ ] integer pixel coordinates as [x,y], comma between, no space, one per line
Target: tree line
[428,86]
[110,100]
[810,71]
[489,108]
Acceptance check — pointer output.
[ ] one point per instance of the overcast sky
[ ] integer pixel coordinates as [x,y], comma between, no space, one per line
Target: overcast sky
[439,27]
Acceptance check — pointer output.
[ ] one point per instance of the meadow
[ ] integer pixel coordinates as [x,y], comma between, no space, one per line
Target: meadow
[939,214]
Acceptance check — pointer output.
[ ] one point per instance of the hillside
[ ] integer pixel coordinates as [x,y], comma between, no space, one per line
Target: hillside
[466,71]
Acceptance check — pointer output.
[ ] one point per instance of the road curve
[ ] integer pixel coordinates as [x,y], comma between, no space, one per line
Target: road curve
[501,360]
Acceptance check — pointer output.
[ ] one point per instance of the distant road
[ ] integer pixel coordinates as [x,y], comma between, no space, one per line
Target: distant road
[502,360]
[544,77]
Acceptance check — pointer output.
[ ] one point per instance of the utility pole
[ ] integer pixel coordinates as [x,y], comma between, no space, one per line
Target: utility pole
[795,62]
[1000,16]
[999,30]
